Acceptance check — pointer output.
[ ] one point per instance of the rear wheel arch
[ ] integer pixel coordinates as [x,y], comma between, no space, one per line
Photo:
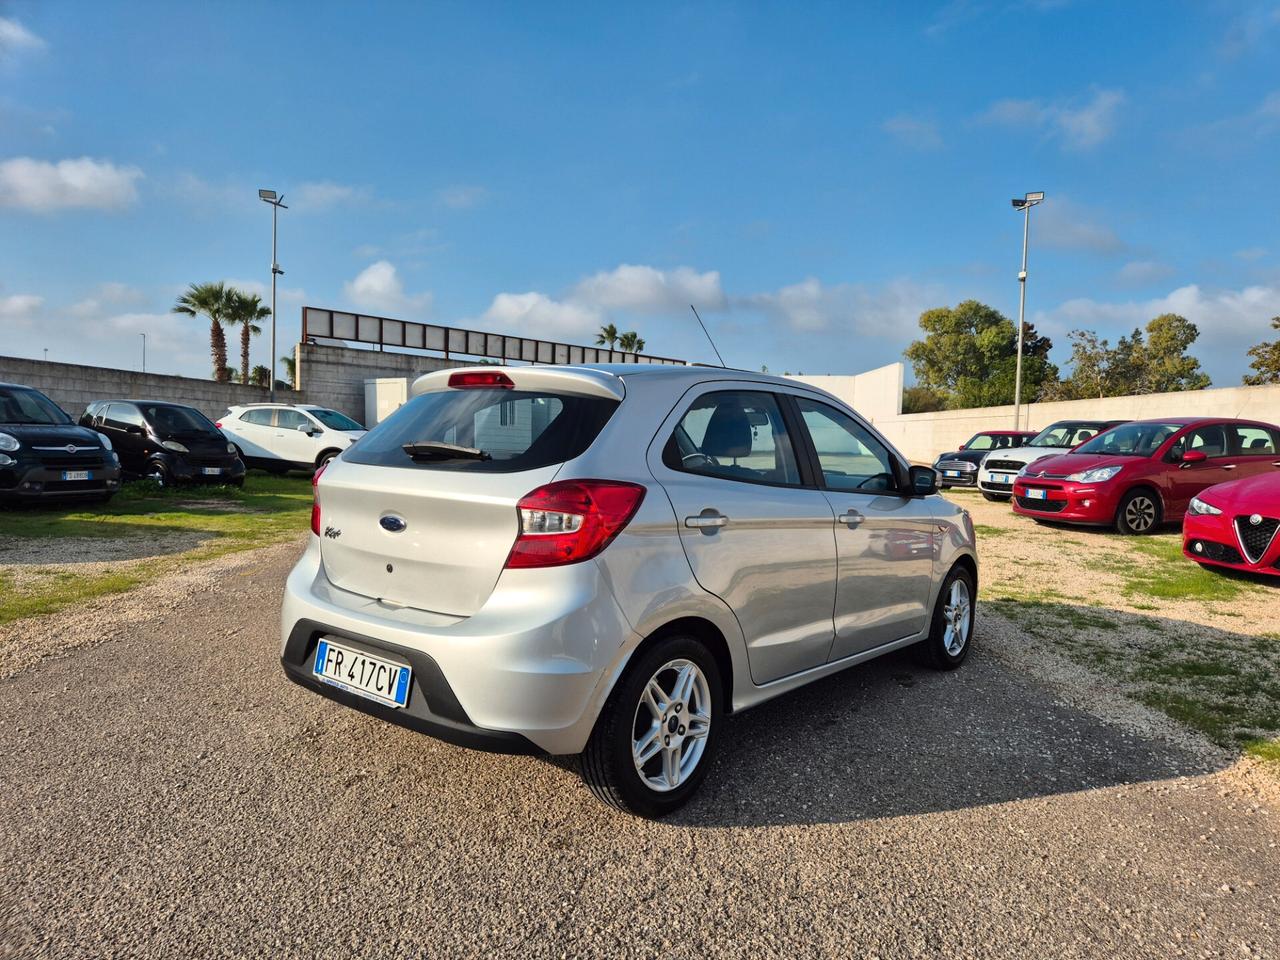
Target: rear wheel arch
[701,629]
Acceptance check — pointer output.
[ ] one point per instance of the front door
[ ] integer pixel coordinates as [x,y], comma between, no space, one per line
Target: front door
[290,442]
[884,538]
[124,425]
[755,536]
[1190,478]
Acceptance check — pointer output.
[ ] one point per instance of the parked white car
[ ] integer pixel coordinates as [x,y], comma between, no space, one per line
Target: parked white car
[288,436]
[1000,467]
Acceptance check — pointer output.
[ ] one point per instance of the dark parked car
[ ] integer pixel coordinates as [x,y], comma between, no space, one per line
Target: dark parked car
[959,468]
[45,456]
[169,442]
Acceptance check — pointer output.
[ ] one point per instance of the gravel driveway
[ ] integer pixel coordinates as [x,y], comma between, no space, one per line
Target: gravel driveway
[165,792]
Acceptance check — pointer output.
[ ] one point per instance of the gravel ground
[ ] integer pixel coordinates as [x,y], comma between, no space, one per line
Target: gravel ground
[164,792]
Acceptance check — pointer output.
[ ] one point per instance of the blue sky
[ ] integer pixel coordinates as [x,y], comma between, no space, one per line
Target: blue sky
[812,177]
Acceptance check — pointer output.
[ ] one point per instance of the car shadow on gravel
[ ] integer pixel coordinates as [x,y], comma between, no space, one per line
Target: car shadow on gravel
[890,739]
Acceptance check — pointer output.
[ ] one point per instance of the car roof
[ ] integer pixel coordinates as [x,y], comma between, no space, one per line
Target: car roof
[150,403]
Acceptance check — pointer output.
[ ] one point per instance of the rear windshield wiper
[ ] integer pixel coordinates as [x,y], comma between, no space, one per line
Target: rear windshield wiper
[435,450]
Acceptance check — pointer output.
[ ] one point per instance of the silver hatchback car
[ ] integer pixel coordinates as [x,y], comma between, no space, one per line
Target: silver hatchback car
[611,560]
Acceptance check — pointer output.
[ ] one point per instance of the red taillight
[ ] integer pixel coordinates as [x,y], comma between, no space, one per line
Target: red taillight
[218,424]
[315,499]
[572,520]
[481,378]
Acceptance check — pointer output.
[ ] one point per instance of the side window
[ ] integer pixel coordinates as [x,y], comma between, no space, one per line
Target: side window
[1253,441]
[1210,440]
[261,416]
[292,420]
[737,435]
[983,441]
[123,415]
[850,457]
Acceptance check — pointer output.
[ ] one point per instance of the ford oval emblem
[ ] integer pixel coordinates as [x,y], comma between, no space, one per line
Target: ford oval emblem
[392,523]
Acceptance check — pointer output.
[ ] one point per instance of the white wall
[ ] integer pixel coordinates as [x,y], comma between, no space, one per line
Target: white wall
[876,394]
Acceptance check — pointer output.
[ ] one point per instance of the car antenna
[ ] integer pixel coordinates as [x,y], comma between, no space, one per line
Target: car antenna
[704,330]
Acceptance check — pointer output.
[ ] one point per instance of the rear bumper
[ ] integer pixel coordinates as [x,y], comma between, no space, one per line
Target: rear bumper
[530,670]
[33,481]
[1212,540]
[1064,501]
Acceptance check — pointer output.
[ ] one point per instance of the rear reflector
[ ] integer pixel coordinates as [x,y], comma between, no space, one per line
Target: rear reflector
[572,520]
[315,499]
[481,378]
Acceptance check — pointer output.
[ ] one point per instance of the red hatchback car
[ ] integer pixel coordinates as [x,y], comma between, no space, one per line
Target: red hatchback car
[1235,525]
[1141,474]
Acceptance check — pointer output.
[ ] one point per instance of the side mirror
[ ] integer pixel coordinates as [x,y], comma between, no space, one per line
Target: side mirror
[961,447]
[134,429]
[304,428]
[1194,456]
[923,480]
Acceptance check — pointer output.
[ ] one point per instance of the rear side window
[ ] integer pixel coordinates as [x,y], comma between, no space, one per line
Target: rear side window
[735,435]
[498,431]
[261,417]
[1254,441]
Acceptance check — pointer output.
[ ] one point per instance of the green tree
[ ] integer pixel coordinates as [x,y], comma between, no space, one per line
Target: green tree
[1266,360]
[919,399]
[630,341]
[261,376]
[608,336]
[244,310]
[969,356]
[290,365]
[209,300]
[1168,367]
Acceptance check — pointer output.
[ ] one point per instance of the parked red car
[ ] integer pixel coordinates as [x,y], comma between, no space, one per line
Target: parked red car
[1235,525]
[1141,474]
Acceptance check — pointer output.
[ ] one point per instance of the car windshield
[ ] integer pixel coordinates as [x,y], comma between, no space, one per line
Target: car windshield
[176,421]
[1066,434]
[1131,440]
[24,405]
[335,420]
[981,441]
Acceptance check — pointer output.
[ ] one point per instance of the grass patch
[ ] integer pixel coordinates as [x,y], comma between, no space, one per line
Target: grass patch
[1268,750]
[982,530]
[267,510]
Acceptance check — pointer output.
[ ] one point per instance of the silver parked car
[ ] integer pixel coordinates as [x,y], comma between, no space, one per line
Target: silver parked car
[611,560]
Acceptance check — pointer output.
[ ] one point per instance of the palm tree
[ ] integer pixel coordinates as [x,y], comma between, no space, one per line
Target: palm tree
[631,342]
[261,376]
[290,370]
[243,310]
[607,336]
[209,300]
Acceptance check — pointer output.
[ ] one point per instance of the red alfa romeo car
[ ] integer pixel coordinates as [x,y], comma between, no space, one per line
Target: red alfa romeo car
[1141,474]
[1235,525]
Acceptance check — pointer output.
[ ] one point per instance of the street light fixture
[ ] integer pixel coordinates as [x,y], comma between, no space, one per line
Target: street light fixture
[1023,204]
[277,202]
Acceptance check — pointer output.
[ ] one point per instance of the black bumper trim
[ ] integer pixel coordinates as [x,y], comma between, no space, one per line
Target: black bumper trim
[432,709]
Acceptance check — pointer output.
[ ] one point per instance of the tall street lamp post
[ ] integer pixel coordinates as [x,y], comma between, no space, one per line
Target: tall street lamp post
[144,352]
[277,202]
[1024,204]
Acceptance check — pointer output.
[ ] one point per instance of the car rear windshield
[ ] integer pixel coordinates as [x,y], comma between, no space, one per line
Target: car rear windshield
[334,420]
[484,431]
[24,405]
[1131,440]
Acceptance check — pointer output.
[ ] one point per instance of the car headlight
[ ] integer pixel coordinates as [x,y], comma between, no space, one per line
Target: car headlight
[6,460]
[1096,475]
[231,448]
[1202,509]
[175,446]
[106,441]
[8,442]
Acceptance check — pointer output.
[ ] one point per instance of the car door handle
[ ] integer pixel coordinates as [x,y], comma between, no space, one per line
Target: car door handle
[1229,466]
[706,520]
[853,518]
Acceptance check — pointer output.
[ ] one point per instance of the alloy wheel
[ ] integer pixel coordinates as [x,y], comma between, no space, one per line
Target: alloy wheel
[1140,514]
[671,724]
[955,614]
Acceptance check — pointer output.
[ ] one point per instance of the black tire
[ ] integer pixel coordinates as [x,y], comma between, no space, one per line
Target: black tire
[996,497]
[1139,513]
[325,457]
[157,471]
[933,651]
[606,763]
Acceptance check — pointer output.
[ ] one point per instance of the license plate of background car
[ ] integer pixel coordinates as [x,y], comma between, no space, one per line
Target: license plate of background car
[362,673]
[951,473]
[1002,478]
[1035,494]
[76,475]
[211,471]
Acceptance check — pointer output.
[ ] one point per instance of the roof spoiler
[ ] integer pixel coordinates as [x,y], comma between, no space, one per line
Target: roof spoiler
[579,380]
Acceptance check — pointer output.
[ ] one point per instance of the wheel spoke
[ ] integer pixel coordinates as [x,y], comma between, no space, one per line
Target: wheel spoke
[671,766]
[647,747]
[683,688]
[698,726]
[655,698]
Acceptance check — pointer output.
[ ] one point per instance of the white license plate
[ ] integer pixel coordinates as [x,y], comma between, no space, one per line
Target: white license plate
[211,471]
[1034,494]
[76,475]
[951,473]
[362,673]
[1002,478]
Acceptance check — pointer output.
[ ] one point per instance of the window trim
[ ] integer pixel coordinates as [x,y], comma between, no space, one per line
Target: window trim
[802,466]
[901,471]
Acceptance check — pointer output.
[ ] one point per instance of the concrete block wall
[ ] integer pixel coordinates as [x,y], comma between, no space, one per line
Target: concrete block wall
[73,386]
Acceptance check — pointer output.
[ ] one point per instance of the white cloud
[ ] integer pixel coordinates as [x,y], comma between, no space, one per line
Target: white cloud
[884,311]
[462,196]
[1140,273]
[1065,225]
[644,289]
[540,315]
[16,39]
[1250,254]
[378,287]
[42,187]
[1076,124]
[107,294]
[19,309]
[325,194]
[914,132]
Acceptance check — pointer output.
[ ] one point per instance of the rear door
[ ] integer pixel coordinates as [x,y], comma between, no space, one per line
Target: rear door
[755,534]
[1253,448]
[884,538]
